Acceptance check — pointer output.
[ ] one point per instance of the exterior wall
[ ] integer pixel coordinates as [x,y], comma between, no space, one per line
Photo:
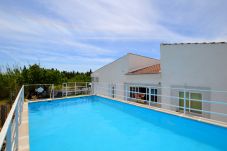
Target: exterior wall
[111,74]
[116,73]
[197,66]
[144,79]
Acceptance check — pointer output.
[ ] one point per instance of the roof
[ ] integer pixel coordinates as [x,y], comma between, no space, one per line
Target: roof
[123,57]
[223,42]
[154,69]
[141,56]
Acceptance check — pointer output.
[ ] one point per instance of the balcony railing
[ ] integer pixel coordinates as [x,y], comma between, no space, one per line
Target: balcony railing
[9,133]
[36,92]
[211,104]
[206,103]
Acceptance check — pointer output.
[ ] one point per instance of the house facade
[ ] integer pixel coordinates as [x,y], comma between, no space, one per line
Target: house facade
[201,69]
[117,78]
[189,77]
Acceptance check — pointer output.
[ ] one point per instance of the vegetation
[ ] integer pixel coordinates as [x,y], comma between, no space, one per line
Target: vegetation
[13,78]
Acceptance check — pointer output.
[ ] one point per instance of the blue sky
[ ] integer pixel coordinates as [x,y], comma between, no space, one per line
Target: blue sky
[84,34]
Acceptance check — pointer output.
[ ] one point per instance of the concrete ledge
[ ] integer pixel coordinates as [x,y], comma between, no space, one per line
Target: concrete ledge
[188,116]
[55,99]
[24,130]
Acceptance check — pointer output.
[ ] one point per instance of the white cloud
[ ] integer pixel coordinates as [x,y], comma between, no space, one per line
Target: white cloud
[62,29]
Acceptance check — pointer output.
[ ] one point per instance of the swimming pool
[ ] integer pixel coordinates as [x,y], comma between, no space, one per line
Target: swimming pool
[94,123]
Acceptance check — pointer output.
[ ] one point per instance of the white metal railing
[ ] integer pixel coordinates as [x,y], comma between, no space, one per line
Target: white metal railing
[53,91]
[213,108]
[9,133]
[75,88]
[33,87]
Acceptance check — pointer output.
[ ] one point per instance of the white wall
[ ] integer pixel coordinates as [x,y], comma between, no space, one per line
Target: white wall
[116,71]
[144,78]
[111,73]
[200,66]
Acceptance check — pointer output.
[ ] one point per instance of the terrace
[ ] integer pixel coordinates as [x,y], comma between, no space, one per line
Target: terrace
[16,130]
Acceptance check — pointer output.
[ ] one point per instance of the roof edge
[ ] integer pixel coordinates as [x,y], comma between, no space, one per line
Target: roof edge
[143,56]
[122,57]
[222,42]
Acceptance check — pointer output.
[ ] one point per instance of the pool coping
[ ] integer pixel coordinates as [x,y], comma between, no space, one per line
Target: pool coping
[24,128]
[24,144]
[56,99]
[23,140]
[188,116]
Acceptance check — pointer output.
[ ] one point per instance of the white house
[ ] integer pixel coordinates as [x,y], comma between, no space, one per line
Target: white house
[189,77]
[131,70]
[196,66]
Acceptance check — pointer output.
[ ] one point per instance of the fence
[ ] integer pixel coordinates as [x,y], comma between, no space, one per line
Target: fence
[51,91]
[75,88]
[206,103]
[9,132]
[211,104]
[38,91]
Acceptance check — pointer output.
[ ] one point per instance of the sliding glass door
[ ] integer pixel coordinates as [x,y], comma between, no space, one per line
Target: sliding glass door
[193,102]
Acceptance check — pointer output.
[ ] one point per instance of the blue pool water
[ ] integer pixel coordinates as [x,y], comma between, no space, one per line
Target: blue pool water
[98,124]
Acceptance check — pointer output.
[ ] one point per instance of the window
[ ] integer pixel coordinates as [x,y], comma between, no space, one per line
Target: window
[154,95]
[142,93]
[193,102]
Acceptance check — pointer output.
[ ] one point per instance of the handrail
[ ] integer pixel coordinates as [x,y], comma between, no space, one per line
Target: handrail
[14,114]
[168,100]
[173,97]
[165,87]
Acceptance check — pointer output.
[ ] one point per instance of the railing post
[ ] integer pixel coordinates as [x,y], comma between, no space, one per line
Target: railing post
[87,87]
[189,102]
[75,88]
[92,88]
[66,89]
[184,101]
[126,94]
[52,91]
[149,94]
[9,138]
[16,127]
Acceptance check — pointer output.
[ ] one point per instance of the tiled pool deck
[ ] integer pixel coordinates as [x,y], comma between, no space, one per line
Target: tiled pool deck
[24,130]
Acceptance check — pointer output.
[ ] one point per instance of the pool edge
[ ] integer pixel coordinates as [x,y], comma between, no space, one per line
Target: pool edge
[191,117]
[23,141]
[56,99]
